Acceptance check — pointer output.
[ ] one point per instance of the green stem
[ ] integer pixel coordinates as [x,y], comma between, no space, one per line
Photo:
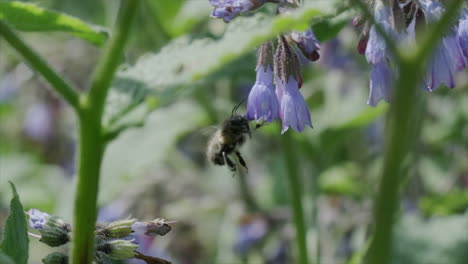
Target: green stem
[398,127]
[295,192]
[60,85]
[91,144]
[397,146]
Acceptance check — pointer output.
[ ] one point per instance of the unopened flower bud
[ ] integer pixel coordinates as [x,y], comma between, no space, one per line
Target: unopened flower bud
[358,21]
[228,9]
[118,249]
[117,229]
[55,258]
[307,43]
[55,232]
[158,226]
[364,38]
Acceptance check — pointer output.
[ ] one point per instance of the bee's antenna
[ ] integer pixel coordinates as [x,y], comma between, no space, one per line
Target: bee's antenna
[237,106]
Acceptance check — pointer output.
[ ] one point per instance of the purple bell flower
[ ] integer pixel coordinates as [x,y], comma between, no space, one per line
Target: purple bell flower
[376,48]
[294,111]
[448,55]
[307,43]
[228,9]
[381,77]
[262,102]
[462,33]
[381,83]
[453,47]
[441,69]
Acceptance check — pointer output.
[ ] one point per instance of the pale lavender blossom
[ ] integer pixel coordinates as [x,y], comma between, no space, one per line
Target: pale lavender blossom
[441,69]
[262,103]
[447,57]
[453,47]
[381,83]
[294,111]
[377,54]
[37,219]
[307,43]
[228,9]
[462,33]
[376,49]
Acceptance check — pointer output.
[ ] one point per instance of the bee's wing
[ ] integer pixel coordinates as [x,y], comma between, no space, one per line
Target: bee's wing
[207,131]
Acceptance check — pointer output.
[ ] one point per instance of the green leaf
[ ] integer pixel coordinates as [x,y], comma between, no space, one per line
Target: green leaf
[5,259]
[365,117]
[341,179]
[187,62]
[15,242]
[445,204]
[30,17]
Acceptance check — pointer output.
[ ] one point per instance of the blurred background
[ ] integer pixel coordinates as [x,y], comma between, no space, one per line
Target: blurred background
[159,169]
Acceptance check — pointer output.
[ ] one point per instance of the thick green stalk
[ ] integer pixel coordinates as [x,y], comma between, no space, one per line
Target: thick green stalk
[399,127]
[60,85]
[91,144]
[295,193]
[398,130]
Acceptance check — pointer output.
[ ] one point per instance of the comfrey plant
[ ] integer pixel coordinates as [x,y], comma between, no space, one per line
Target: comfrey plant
[275,93]
[434,49]
[406,22]
[114,240]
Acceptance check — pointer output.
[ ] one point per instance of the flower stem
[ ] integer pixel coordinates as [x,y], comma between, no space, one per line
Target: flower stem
[91,144]
[401,123]
[399,126]
[59,84]
[295,192]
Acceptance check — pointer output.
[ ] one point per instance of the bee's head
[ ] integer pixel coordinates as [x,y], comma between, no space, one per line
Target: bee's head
[239,123]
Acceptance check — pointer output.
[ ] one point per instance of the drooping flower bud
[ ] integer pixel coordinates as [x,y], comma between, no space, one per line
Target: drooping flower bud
[55,258]
[307,43]
[228,9]
[116,229]
[358,21]
[118,249]
[262,103]
[363,39]
[158,226]
[293,108]
[55,232]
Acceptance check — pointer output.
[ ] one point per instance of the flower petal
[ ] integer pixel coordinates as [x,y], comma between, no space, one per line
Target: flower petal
[463,35]
[381,83]
[294,111]
[441,69]
[262,102]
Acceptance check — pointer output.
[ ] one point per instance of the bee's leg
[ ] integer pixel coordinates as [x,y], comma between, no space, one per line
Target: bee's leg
[241,160]
[229,162]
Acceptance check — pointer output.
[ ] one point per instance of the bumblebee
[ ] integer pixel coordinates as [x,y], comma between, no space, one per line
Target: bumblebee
[227,139]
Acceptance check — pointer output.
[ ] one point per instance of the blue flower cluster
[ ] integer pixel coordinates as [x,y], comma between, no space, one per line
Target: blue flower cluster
[404,22]
[276,90]
[275,93]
